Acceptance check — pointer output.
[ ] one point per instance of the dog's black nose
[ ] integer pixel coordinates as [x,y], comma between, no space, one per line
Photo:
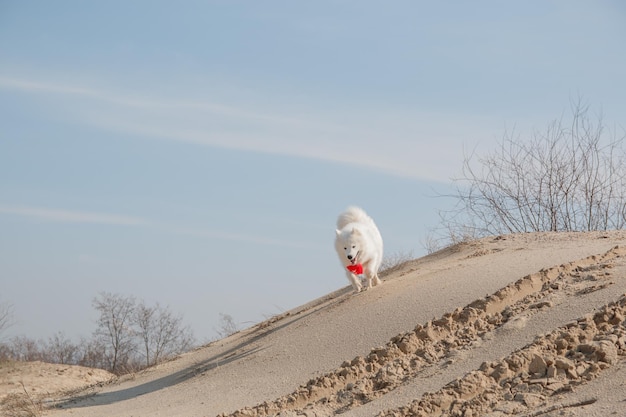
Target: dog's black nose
[350,257]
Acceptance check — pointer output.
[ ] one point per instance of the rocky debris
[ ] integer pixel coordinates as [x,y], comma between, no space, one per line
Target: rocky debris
[363,379]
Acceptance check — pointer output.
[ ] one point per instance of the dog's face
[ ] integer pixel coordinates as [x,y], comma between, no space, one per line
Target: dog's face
[350,242]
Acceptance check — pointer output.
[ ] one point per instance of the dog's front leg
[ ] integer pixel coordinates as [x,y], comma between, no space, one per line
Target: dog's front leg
[371,277]
[368,280]
[355,281]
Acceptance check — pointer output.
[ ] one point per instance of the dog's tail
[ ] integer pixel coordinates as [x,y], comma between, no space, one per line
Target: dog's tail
[352,215]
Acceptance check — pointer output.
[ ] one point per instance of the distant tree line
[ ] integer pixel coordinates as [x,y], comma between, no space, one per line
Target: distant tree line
[129,335]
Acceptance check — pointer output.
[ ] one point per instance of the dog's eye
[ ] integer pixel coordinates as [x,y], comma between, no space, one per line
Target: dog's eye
[345,248]
[353,246]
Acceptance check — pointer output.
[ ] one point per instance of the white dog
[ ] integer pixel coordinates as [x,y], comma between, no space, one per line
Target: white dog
[359,246]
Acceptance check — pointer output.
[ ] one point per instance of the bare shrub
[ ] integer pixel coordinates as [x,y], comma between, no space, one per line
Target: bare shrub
[570,177]
[144,320]
[114,329]
[5,353]
[92,353]
[21,404]
[394,261]
[22,348]
[129,330]
[60,349]
[129,337]
[431,243]
[448,234]
[6,316]
[227,326]
[161,333]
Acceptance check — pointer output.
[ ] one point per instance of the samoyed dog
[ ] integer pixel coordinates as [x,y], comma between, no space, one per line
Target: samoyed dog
[359,246]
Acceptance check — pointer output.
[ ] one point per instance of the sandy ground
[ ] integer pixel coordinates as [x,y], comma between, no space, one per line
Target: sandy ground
[33,383]
[529,325]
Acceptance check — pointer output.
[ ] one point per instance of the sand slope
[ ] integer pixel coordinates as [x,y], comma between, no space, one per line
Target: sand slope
[528,324]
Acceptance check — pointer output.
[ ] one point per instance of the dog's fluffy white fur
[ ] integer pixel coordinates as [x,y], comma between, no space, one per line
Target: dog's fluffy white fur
[358,241]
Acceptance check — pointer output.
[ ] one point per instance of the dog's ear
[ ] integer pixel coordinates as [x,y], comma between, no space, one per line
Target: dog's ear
[356,232]
[338,232]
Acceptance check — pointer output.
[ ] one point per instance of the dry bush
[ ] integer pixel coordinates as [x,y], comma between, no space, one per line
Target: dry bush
[21,405]
[227,326]
[24,349]
[570,177]
[114,328]
[452,234]
[129,337]
[60,349]
[6,316]
[128,330]
[161,333]
[394,261]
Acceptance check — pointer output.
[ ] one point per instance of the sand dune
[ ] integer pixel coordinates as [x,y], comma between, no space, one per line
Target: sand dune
[529,324]
[23,385]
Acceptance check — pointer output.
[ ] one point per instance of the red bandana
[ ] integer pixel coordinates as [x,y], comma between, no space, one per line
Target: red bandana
[355,269]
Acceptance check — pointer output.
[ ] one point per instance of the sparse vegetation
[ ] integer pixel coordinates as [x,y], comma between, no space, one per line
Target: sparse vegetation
[114,329]
[22,404]
[6,316]
[570,177]
[227,326]
[60,349]
[129,336]
[394,261]
[128,329]
[161,333]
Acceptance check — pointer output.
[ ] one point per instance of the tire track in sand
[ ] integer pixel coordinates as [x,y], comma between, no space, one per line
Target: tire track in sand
[385,368]
[526,381]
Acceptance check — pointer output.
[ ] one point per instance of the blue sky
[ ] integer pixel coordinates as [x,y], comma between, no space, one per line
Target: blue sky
[197,153]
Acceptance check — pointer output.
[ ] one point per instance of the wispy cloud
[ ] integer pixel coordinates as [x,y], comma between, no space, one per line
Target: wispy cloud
[10,83]
[238,237]
[132,101]
[136,101]
[82,217]
[70,216]
[388,140]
